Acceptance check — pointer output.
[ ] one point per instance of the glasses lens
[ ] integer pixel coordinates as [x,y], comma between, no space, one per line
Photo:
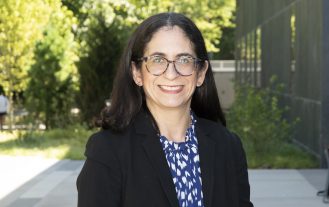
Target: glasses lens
[185,65]
[156,65]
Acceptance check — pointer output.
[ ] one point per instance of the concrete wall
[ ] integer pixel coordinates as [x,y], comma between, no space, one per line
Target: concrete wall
[224,76]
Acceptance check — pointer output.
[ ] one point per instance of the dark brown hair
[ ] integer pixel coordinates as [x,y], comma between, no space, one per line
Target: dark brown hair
[128,99]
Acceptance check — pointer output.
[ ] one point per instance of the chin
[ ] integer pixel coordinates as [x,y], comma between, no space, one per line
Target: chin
[174,104]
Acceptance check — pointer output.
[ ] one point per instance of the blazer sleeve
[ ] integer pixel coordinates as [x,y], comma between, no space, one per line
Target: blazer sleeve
[242,173]
[99,182]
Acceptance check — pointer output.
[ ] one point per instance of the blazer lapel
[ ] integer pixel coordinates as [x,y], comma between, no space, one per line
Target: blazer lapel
[158,160]
[207,163]
[154,152]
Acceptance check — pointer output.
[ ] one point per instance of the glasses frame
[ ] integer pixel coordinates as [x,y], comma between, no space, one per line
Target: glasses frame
[196,60]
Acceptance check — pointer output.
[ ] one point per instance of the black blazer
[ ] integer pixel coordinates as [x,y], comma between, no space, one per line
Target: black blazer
[129,169]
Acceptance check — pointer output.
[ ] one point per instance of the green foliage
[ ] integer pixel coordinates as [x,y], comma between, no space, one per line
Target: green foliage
[21,25]
[227,43]
[51,90]
[102,35]
[74,6]
[258,119]
[209,16]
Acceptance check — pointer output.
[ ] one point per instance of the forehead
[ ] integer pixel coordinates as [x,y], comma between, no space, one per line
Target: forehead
[169,41]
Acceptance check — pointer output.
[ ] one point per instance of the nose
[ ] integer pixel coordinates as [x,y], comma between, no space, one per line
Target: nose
[171,72]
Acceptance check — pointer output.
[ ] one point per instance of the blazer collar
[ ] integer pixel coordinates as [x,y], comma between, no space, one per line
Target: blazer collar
[152,146]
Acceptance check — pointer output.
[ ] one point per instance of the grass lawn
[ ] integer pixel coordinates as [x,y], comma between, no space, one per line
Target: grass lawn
[58,143]
[70,144]
[285,156]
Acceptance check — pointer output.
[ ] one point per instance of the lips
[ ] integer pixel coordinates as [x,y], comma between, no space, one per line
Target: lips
[171,89]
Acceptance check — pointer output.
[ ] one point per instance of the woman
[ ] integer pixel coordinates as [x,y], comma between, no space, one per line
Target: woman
[163,140]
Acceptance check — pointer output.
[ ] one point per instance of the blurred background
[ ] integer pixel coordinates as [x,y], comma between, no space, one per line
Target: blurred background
[58,59]
[270,60]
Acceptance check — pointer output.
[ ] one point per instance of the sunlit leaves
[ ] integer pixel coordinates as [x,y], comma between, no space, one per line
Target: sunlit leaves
[21,24]
[209,16]
[54,76]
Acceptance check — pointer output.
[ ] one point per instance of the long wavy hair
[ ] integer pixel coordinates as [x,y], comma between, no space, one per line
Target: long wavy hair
[127,99]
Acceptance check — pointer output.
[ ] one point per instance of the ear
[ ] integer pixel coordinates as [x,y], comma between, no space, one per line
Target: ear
[137,74]
[202,74]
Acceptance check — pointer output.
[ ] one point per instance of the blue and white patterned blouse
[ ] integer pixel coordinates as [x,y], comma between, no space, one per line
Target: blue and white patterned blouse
[183,161]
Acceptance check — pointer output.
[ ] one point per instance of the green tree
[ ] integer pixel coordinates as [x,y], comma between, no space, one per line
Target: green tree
[209,16]
[21,24]
[53,84]
[102,34]
[74,6]
[227,42]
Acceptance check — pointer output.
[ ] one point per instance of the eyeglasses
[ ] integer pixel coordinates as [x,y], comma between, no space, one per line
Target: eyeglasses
[184,65]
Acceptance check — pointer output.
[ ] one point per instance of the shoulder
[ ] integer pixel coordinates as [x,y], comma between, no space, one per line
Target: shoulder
[226,141]
[213,128]
[104,145]
[218,132]
[101,139]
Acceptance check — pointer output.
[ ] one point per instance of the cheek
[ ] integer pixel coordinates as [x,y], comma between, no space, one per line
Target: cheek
[149,83]
[193,81]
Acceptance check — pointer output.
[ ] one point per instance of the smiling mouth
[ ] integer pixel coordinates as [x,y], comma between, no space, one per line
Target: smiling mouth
[171,89]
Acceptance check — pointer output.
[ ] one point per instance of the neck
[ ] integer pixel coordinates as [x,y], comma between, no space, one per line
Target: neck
[172,122]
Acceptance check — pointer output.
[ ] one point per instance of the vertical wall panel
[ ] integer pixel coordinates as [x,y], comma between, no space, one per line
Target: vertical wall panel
[293,45]
[324,134]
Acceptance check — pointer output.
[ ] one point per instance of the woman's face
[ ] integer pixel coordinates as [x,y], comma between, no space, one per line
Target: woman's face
[169,90]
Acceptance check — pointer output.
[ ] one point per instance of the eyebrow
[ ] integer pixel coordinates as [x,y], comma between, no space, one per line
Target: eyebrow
[178,55]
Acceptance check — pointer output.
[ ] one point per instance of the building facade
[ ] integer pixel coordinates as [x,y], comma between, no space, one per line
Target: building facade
[289,39]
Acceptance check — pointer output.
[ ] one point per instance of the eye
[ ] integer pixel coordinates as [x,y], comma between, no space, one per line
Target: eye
[157,59]
[184,60]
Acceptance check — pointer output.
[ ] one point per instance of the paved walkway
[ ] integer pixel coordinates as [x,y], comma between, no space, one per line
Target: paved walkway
[36,182]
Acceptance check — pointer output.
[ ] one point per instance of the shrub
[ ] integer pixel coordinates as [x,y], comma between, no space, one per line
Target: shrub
[257,117]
